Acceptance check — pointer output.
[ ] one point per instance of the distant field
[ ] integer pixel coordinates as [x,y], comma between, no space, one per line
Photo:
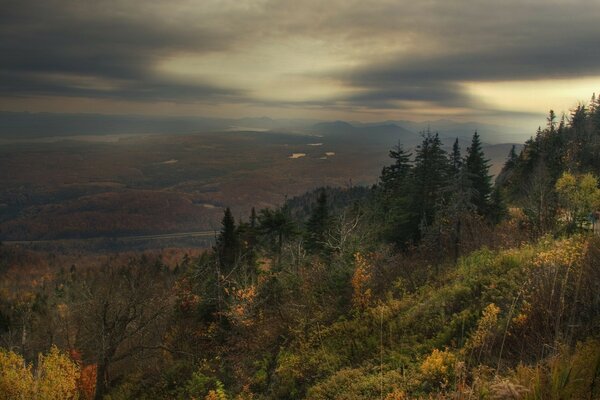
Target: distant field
[156,184]
[161,183]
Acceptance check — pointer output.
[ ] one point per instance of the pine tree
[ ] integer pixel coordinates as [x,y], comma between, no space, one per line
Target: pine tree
[227,241]
[498,209]
[512,158]
[394,175]
[318,224]
[455,158]
[276,226]
[394,196]
[595,114]
[508,169]
[430,176]
[247,233]
[253,218]
[458,207]
[477,168]
[551,121]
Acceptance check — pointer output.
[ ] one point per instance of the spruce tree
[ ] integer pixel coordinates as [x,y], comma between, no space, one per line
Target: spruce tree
[458,207]
[227,241]
[477,168]
[253,218]
[512,157]
[498,210]
[247,233]
[276,225]
[430,177]
[509,167]
[455,158]
[394,197]
[318,224]
[551,119]
[393,176]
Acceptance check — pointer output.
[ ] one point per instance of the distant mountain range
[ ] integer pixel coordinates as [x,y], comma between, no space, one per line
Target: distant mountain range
[24,125]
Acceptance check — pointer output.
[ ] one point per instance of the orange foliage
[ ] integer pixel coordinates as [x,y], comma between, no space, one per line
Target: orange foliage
[87,381]
[187,300]
[361,297]
[242,302]
[87,377]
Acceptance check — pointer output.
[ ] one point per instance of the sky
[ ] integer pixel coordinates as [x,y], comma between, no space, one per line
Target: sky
[505,62]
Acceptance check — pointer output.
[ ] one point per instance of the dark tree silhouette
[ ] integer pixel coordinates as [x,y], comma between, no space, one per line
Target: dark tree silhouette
[477,168]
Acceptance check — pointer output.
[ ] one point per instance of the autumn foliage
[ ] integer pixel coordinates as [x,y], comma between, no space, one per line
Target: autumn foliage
[55,377]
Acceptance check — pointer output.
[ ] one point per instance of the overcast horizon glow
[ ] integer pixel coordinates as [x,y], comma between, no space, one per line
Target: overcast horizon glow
[504,62]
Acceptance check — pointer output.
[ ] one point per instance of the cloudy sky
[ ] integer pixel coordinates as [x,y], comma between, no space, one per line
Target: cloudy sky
[492,61]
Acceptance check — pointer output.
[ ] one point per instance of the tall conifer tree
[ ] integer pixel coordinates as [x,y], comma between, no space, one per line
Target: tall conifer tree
[394,197]
[227,240]
[318,224]
[455,158]
[430,176]
[478,170]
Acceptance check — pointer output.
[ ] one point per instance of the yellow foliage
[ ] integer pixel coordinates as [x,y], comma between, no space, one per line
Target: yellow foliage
[568,252]
[241,305]
[579,194]
[216,394]
[567,374]
[396,395]
[439,367]
[16,379]
[212,395]
[485,327]
[55,378]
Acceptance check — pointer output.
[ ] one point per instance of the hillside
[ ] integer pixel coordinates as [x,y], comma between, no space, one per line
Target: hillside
[431,283]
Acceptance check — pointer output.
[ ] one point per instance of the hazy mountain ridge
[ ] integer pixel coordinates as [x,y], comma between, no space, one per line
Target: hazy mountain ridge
[25,125]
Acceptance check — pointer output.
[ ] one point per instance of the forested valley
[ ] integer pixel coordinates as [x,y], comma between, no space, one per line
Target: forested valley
[438,282]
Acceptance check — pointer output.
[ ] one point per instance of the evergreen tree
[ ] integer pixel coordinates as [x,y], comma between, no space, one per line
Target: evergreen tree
[578,118]
[455,158]
[551,121]
[394,175]
[498,210]
[276,225]
[227,242]
[253,218]
[318,224]
[247,233]
[508,169]
[430,177]
[512,158]
[595,114]
[458,208]
[394,196]
[477,168]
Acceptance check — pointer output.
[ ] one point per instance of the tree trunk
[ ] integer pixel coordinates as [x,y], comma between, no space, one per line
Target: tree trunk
[457,240]
[101,379]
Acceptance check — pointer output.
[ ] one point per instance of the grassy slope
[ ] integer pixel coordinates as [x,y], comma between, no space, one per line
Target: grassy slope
[506,311]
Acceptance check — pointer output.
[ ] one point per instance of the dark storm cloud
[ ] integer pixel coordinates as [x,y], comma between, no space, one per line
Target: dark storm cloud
[385,94]
[48,47]
[140,90]
[399,51]
[493,64]
[450,43]
[436,78]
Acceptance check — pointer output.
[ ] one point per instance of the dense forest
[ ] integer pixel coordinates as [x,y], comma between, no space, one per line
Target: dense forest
[434,283]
